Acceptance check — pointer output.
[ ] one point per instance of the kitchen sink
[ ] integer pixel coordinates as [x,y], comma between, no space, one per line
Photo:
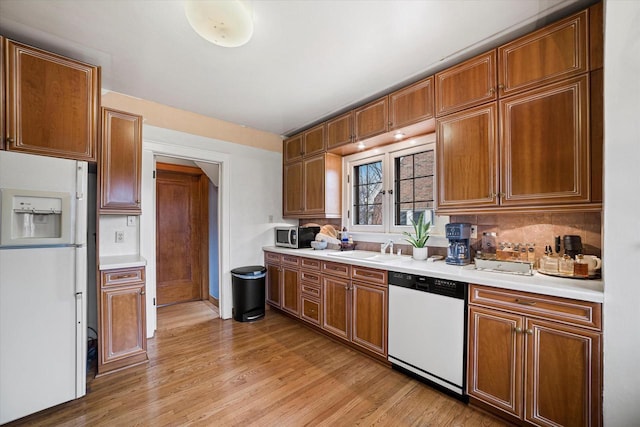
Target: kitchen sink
[369,256]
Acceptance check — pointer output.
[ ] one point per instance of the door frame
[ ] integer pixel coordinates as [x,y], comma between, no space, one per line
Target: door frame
[203,184]
[148,222]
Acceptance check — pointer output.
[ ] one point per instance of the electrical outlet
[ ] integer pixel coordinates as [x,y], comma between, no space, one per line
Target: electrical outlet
[131,220]
[119,236]
[474,232]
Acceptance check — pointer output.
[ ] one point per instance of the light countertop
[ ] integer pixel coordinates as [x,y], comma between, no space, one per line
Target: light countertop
[121,261]
[584,290]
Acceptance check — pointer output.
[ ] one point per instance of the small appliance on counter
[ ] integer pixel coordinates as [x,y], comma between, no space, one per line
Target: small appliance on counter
[458,252]
[296,237]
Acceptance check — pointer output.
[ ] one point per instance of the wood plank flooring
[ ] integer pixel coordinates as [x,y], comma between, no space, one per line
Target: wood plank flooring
[273,372]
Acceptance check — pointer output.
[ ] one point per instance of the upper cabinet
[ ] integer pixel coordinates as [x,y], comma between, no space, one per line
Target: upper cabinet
[465,85]
[312,187]
[340,131]
[555,52]
[372,119]
[51,103]
[308,143]
[292,148]
[120,162]
[411,105]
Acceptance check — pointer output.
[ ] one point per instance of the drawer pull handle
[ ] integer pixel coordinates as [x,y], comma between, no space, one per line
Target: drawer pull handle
[525,302]
[123,276]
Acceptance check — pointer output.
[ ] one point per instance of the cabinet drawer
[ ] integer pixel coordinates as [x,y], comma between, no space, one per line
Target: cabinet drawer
[310,310]
[309,277]
[122,276]
[272,258]
[310,290]
[580,313]
[290,260]
[310,264]
[335,269]
[369,275]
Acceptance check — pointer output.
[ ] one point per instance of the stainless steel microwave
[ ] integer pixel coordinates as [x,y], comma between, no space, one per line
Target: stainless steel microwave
[296,237]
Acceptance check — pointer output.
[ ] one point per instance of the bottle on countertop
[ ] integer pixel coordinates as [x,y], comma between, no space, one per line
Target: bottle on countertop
[344,237]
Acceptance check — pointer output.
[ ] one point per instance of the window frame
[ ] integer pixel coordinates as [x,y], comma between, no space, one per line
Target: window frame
[387,154]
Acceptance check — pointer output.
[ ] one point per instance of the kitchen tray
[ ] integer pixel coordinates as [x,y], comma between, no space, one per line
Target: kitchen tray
[569,275]
[523,268]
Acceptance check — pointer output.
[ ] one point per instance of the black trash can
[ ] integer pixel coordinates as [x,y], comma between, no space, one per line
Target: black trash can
[248,292]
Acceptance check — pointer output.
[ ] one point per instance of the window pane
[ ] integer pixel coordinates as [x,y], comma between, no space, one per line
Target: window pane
[424,188]
[424,163]
[376,214]
[366,192]
[414,186]
[406,191]
[404,166]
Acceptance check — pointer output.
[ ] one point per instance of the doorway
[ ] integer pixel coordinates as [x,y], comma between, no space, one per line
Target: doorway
[182,234]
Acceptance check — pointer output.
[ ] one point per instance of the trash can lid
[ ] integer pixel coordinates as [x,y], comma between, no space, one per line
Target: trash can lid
[252,270]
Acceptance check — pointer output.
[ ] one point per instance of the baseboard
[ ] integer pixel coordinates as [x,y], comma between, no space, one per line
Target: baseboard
[214,301]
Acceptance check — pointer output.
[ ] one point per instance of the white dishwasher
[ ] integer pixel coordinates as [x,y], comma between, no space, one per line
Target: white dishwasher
[427,325]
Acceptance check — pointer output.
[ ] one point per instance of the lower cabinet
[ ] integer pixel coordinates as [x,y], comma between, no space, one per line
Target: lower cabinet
[535,358]
[122,322]
[336,303]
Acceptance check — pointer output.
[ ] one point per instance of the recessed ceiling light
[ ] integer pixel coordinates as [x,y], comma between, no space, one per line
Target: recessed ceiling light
[361,145]
[398,135]
[227,23]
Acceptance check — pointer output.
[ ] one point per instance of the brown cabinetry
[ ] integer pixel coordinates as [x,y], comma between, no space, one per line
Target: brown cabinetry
[465,85]
[555,52]
[306,144]
[120,162]
[122,321]
[369,314]
[340,131]
[290,286]
[310,291]
[336,302]
[411,105]
[535,358]
[372,119]
[312,187]
[51,103]
[273,278]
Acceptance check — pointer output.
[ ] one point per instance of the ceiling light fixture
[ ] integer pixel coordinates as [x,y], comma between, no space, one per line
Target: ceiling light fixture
[361,145]
[227,23]
[398,135]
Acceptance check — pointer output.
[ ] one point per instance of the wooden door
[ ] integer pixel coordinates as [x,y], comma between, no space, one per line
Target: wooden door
[411,104]
[291,290]
[336,303]
[181,234]
[562,382]
[293,148]
[315,141]
[465,85]
[292,189]
[274,278]
[52,104]
[372,119]
[120,162]
[340,131]
[553,53]
[314,184]
[122,323]
[545,145]
[495,355]
[369,317]
[467,153]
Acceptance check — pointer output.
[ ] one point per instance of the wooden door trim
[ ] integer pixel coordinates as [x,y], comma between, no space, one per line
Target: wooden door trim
[203,182]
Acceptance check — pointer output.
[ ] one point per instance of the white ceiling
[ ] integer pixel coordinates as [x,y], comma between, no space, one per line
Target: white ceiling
[307,60]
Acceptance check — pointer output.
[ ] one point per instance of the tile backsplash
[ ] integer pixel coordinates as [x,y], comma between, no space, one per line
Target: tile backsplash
[539,228]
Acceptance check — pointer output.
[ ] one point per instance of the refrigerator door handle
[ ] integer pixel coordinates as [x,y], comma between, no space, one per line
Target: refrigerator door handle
[81,346]
[81,203]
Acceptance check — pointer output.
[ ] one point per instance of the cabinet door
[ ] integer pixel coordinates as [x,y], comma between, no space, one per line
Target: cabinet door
[120,162]
[273,284]
[545,145]
[411,104]
[314,185]
[122,323]
[310,309]
[314,141]
[336,303]
[467,158]
[292,189]
[562,384]
[340,131]
[369,317]
[293,148]
[52,104]
[495,359]
[553,53]
[465,85]
[291,290]
[372,119]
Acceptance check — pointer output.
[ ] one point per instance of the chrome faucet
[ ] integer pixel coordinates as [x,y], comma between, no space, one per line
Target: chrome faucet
[384,246]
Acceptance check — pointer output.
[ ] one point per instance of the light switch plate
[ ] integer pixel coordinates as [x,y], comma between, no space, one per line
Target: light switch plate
[131,220]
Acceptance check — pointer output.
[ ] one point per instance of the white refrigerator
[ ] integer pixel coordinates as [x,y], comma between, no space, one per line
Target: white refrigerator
[43,282]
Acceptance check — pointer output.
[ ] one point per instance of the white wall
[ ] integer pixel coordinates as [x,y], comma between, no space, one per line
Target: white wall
[621,214]
[250,192]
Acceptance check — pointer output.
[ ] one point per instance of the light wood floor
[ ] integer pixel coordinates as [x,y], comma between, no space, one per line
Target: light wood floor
[273,372]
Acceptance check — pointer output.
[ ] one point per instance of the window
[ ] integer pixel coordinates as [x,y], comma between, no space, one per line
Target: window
[387,188]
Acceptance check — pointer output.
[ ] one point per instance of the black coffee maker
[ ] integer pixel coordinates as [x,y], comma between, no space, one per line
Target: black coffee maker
[459,249]
[572,245]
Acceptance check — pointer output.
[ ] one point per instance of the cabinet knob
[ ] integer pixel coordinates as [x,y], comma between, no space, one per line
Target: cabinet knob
[491,90]
[517,330]
[501,86]
[390,124]
[529,331]
[142,292]
[10,140]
